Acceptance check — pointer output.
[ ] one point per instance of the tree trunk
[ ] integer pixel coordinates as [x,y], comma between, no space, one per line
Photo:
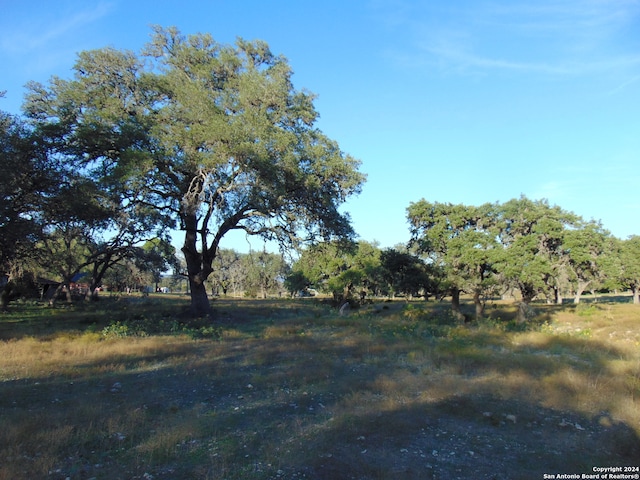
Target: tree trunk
[636,295]
[477,301]
[528,293]
[200,306]
[558,295]
[581,288]
[5,296]
[455,303]
[197,270]
[523,312]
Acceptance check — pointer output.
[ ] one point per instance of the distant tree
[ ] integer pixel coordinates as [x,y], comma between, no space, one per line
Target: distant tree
[75,216]
[408,274]
[623,267]
[532,234]
[156,256]
[319,263]
[583,250]
[126,276]
[460,241]
[227,271]
[347,270]
[296,282]
[214,135]
[265,272]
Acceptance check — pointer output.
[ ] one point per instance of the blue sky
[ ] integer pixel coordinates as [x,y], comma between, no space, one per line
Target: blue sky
[462,102]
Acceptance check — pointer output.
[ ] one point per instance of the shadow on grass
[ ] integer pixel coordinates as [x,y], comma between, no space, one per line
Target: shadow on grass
[38,320]
[464,437]
[300,395]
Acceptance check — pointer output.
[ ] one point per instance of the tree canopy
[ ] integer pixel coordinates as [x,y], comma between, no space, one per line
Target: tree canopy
[522,244]
[213,136]
[462,242]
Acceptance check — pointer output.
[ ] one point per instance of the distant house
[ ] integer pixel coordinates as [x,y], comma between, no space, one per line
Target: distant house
[76,287]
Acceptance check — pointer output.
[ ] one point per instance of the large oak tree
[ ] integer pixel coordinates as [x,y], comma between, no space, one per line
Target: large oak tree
[214,135]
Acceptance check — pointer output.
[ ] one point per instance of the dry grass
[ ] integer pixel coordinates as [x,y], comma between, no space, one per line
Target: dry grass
[290,390]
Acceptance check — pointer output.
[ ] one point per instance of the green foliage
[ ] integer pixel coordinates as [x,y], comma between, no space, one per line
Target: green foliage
[142,326]
[118,330]
[627,261]
[407,274]
[413,311]
[214,135]
[340,268]
[461,242]
[263,273]
[529,245]
[28,181]
[532,235]
[296,282]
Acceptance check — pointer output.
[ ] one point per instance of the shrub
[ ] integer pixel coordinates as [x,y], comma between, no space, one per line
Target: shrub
[116,330]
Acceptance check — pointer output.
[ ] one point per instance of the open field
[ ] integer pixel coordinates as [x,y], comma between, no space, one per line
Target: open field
[288,389]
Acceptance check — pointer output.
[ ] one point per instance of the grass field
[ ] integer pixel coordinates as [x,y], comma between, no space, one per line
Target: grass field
[288,389]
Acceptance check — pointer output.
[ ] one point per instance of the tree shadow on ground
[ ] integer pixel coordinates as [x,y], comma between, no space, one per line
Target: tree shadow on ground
[307,399]
[466,437]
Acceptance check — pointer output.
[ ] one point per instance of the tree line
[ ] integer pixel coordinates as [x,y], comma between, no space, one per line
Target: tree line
[523,247]
[203,138]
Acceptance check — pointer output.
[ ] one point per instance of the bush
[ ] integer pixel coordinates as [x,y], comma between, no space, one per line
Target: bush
[116,330]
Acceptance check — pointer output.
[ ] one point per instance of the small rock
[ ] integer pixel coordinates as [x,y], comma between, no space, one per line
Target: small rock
[511,418]
[116,388]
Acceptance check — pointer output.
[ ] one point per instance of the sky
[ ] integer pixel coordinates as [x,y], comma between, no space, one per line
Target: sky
[468,102]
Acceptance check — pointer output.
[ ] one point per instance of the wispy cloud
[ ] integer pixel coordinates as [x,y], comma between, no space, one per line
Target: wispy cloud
[549,37]
[28,36]
[624,85]
[461,58]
